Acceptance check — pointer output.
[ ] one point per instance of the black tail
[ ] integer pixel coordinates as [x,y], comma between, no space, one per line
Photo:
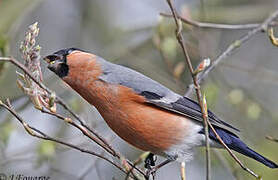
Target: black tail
[234,143]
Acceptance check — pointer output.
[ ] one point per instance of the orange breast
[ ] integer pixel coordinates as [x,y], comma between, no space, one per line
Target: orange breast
[147,127]
[144,126]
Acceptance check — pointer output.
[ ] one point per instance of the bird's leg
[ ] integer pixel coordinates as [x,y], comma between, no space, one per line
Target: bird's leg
[150,161]
[152,171]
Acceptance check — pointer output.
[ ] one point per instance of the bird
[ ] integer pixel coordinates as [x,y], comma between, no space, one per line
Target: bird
[142,111]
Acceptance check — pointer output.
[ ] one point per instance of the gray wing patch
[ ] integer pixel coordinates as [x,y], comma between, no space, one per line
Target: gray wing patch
[141,84]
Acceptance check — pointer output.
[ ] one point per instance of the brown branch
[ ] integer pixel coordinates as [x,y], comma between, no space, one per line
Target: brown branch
[77,117]
[79,127]
[41,135]
[232,47]
[181,41]
[183,176]
[216,25]
[272,139]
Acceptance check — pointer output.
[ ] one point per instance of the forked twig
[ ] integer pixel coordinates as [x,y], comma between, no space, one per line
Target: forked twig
[217,25]
[41,135]
[232,47]
[193,73]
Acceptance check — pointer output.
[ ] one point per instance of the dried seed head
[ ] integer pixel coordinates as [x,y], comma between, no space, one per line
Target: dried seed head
[31,55]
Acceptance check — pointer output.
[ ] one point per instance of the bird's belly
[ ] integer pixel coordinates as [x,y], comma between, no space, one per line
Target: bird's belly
[146,127]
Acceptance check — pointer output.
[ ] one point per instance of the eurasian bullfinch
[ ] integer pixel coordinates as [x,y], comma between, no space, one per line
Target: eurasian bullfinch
[140,110]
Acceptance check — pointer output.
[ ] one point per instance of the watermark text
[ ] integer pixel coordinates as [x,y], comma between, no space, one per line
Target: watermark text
[4,176]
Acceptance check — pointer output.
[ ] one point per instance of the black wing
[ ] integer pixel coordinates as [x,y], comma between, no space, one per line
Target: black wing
[189,108]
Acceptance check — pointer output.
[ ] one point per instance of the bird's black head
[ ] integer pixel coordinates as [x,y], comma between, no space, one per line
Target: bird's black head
[58,61]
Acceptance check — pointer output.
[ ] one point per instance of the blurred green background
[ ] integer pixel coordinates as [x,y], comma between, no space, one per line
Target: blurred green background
[242,90]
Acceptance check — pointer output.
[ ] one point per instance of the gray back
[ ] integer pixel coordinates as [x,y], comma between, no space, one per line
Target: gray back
[117,74]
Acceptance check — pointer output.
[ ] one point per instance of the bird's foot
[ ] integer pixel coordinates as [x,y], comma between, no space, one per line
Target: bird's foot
[150,161]
[151,173]
[149,165]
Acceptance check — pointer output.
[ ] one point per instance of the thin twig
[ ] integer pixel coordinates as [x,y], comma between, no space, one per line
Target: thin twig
[181,41]
[141,159]
[273,39]
[78,118]
[232,47]
[41,135]
[80,127]
[208,159]
[272,139]
[216,25]
[231,153]
[183,176]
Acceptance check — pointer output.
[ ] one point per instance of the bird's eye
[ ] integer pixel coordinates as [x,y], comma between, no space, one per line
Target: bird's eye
[52,58]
